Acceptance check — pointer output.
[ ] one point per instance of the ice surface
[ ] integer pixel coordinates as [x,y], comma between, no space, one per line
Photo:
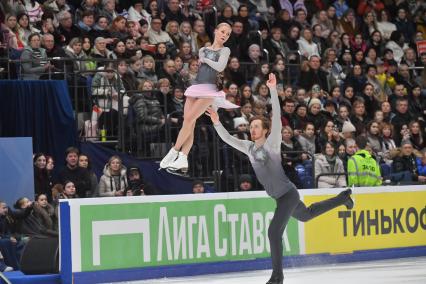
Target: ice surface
[404,270]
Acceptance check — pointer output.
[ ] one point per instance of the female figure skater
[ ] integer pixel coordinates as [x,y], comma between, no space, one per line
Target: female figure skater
[199,96]
[265,158]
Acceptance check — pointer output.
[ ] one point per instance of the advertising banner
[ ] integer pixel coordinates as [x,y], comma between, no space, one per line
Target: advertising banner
[126,235]
[379,220]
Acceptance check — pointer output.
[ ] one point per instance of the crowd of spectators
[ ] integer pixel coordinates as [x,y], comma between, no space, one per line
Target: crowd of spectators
[345,69]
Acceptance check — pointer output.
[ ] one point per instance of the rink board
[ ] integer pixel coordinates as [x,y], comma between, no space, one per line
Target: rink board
[131,238]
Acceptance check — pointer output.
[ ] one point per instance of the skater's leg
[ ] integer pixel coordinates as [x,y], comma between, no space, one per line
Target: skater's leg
[285,206]
[304,214]
[194,108]
[187,145]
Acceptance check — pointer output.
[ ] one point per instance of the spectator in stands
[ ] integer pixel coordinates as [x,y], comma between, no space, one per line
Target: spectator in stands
[75,51]
[197,186]
[397,45]
[370,101]
[54,51]
[306,45]
[100,51]
[405,26]
[261,75]
[11,27]
[10,243]
[253,56]
[417,104]
[404,166]
[79,177]
[348,23]
[24,27]
[262,93]
[348,130]
[314,113]
[280,71]
[363,170]
[34,59]
[246,110]
[402,117]
[327,163]
[290,160]
[275,44]
[307,138]
[148,69]
[137,12]
[389,146]
[328,133]
[190,75]
[421,168]
[149,115]
[356,79]
[29,221]
[245,183]
[45,212]
[87,22]
[137,184]
[66,28]
[169,72]
[113,182]
[374,139]
[101,29]
[108,89]
[84,162]
[417,136]
[156,34]
[234,72]
[238,42]
[300,118]
[201,36]
[119,50]
[287,114]
[118,28]
[42,180]
[342,117]
[350,149]
[108,10]
[359,116]
[311,74]
[385,107]
[241,128]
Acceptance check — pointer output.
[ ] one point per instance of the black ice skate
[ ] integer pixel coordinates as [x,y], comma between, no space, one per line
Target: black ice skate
[349,203]
[276,279]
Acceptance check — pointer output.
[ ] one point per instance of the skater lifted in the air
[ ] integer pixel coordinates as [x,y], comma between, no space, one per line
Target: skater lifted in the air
[200,96]
[264,152]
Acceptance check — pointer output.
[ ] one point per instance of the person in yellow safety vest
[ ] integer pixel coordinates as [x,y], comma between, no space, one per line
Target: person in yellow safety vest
[363,169]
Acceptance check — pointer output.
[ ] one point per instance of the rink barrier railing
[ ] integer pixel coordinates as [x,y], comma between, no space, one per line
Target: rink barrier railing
[135,238]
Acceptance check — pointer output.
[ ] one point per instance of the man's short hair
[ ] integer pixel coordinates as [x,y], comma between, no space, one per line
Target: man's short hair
[361,141]
[72,149]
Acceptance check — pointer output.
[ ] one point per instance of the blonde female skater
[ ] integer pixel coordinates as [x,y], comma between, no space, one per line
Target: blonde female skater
[200,96]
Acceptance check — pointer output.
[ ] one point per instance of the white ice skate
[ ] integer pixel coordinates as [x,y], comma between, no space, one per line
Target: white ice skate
[171,156]
[179,165]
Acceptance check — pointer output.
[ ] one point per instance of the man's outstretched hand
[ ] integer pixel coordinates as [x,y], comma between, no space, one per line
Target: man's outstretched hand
[213,115]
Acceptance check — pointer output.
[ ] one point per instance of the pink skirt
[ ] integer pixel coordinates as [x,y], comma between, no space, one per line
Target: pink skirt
[204,91]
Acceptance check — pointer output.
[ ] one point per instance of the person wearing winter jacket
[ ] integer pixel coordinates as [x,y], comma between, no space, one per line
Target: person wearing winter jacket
[114,180]
[34,59]
[107,88]
[149,115]
[326,163]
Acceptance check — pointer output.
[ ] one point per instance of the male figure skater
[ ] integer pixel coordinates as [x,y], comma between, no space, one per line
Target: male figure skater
[264,152]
